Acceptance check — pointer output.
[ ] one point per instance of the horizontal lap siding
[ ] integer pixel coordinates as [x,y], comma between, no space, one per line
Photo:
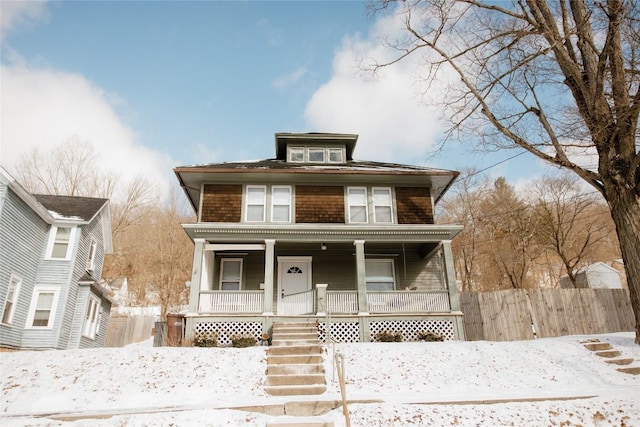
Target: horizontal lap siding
[222,203]
[23,236]
[319,204]
[425,275]
[414,205]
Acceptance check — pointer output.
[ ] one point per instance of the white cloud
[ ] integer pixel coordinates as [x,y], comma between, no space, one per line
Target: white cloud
[388,110]
[16,14]
[42,108]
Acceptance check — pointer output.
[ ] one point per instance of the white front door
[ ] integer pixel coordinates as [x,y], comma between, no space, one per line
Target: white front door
[294,276]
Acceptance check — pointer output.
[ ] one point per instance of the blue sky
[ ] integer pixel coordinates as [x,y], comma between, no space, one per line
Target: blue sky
[157,84]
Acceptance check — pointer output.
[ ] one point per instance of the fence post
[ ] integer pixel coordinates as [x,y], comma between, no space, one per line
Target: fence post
[321,289]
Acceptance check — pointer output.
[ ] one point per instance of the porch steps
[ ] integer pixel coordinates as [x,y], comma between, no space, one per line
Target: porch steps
[613,356]
[294,361]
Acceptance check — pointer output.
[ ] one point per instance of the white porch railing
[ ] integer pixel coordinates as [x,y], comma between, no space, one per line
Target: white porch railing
[408,302]
[300,303]
[231,301]
[343,302]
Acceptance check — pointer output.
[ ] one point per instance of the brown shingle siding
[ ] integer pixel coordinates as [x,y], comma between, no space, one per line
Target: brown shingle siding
[319,204]
[414,205]
[222,203]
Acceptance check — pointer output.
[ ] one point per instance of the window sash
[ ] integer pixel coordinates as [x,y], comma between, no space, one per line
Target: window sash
[43,307]
[357,201]
[281,204]
[336,155]
[12,297]
[382,205]
[60,242]
[296,154]
[92,255]
[316,155]
[255,203]
[230,274]
[92,318]
[379,275]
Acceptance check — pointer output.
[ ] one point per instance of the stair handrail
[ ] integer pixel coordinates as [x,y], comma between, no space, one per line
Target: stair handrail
[335,366]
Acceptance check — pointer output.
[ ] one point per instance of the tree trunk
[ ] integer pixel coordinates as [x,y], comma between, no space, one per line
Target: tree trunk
[625,211]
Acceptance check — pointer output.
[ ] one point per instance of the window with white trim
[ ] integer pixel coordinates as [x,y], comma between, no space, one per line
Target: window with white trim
[336,155]
[316,155]
[255,204]
[91,262]
[60,242]
[379,275]
[43,307]
[12,298]
[296,154]
[230,274]
[357,204]
[92,317]
[382,205]
[281,203]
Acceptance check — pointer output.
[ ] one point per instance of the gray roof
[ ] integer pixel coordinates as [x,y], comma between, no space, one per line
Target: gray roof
[83,208]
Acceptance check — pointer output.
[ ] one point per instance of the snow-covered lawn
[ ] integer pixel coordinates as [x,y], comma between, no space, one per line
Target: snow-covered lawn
[543,382]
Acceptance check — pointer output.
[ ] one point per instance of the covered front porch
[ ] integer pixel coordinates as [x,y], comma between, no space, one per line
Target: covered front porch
[383,282]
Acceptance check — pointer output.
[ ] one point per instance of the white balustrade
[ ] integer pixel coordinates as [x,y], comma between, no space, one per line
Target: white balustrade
[344,302]
[408,302]
[231,301]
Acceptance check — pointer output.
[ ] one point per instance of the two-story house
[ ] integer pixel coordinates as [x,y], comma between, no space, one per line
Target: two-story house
[51,256]
[313,233]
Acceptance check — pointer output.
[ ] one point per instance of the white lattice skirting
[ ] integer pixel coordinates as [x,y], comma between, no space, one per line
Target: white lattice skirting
[410,328]
[225,330]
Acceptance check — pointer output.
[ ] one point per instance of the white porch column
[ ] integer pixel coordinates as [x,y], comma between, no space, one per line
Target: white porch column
[363,306]
[196,275]
[269,265]
[450,277]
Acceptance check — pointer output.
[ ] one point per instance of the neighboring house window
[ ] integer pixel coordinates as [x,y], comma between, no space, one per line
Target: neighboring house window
[316,155]
[379,275]
[357,197]
[91,262]
[43,307]
[60,242]
[296,154]
[382,205]
[12,298]
[281,204]
[92,318]
[230,274]
[336,155]
[255,203]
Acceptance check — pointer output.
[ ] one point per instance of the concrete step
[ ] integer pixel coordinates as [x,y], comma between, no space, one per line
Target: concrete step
[288,342]
[295,369]
[608,353]
[633,371]
[598,346]
[277,336]
[295,390]
[620,361]
[292,350]
[295,359]
[290,379]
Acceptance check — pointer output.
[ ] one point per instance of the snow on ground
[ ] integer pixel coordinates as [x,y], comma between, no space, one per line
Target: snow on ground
[526,383]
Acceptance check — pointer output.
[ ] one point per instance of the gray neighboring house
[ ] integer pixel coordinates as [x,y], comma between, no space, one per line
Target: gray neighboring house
[594,276]
[51,256]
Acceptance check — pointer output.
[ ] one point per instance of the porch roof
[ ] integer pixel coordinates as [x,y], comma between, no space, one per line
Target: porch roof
[235,232]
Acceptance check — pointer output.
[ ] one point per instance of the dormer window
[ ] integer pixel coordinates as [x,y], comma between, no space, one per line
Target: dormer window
[316,154]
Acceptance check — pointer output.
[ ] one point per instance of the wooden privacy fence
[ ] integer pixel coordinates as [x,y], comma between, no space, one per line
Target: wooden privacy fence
[519,314]
[127,330]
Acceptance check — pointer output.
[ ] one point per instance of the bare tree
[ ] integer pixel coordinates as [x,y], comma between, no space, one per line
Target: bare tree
[559,79]
[568,222]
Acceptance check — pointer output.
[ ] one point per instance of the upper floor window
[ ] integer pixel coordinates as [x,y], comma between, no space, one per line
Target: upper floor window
[91,262]
[230,274]
[382,205]
[281,204]
[316,154]
[43,307]
[60,242]
[357,200]
[92,318]
[12,298]
[377,200]
[255,203]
